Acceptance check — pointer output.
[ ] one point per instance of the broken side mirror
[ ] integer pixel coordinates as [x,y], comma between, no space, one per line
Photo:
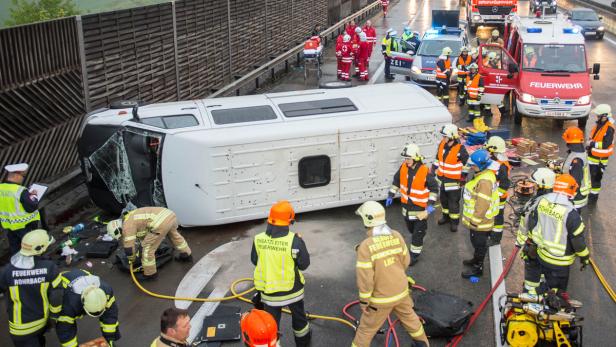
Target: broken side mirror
[596,68]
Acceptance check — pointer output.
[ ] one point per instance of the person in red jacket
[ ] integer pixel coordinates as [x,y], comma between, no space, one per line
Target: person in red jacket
[350,28]
[370,38]
[338,56]
[385,4]
[363,55]
[355,41]
[346,58]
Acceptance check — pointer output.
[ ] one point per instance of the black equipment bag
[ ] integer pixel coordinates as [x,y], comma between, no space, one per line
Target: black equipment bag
[164,254]
[444,315]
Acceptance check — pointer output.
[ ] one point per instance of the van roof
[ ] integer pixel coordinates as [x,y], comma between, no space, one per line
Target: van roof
[551,30]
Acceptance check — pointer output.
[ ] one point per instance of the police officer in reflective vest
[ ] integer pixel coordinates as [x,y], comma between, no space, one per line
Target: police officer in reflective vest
[544,179]
[502,169]
[18,206]
[600,148]
[480,208]
[26,283]
[86,293]
[418,193]
[280,256]
[451,157]
[463,63]
[576,164]
[382,259]
[389,44]
[557,229]
[474,91]
[443,75]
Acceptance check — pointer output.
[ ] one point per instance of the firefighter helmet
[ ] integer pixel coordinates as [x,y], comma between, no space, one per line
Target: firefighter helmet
[464,49]
[281,214]
[259,329]
[473,66]
[412,151]
[372,213]
[94,300]
[602,110]
[496,144]
[543,177]
[357,30]
[393,33]
[529,50]
[565,184]
[446,51]
[573,135]
[450,130]
[495,33]
[346,38]
[363,37]
[491,55]
[35,242]
[114,228]
[481,159]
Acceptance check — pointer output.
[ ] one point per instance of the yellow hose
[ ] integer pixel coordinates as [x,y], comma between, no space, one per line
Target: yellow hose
[236,295]
[603,281]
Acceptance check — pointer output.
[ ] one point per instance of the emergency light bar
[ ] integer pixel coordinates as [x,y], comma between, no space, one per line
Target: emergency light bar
[533,30]
[571,30]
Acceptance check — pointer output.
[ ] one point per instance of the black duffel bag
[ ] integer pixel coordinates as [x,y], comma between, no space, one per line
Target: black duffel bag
[444,315]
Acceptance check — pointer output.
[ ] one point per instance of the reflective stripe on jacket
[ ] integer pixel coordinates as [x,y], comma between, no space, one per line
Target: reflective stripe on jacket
[600,149]
[440,73]
[13,216]
[463,64]
[480,201]
[581,198]
[275,270]
[474,86]
[419,192]
[450,167]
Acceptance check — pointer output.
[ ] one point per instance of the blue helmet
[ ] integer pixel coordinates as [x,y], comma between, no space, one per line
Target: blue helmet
[481,159]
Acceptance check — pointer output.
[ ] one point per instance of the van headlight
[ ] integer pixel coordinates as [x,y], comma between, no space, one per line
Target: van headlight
[527,98]
[584,100]
[601,28]
[476,18]
[416,70]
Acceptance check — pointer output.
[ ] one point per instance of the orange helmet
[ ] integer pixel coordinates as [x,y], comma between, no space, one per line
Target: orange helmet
[573,135]
[259,329]
[281,214]
[565,184]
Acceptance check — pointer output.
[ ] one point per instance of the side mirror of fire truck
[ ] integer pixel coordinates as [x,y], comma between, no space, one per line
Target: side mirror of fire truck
[596,67]
[513,68]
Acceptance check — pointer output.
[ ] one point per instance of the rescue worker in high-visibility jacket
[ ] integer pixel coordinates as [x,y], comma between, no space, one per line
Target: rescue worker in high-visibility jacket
[480,208]
[495,39]
[346,58]
[443,75]
[26,283]
[382,259]
[385,5]
[18,207]
[280,256]
[576,164]
[418,193]
[355,40]
[389,44]
[451,157]
[544,179]
[362,56]
[89,294]
[600,148]
[409,41]
[339,54]
[370,37]
[463,63]
[474,91]
[557,229]
[149,225]
[502,169]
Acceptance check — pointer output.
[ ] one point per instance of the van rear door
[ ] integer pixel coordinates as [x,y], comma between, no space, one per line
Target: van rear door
[496,72]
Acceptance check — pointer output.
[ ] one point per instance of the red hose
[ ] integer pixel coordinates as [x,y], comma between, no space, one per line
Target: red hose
[456,340]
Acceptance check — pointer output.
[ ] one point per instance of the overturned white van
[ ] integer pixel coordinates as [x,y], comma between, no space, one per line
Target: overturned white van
[216,161]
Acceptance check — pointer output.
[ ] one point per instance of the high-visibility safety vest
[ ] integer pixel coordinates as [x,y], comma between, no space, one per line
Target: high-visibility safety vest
[472,87]
[449,167]
[443,73]
[597,138]
[470,198]
[419,192]
[463,64]
[12,213]
[275,270]
[530,63]
[389,45]
[585,185]
[550,234]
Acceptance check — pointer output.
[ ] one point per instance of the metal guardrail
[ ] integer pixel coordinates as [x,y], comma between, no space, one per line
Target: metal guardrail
[254,76]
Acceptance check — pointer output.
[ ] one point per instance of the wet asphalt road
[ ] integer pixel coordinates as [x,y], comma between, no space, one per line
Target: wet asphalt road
[330,235]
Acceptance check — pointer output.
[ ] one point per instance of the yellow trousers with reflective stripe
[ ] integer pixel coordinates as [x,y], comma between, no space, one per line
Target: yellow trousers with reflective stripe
[153,239]
[373,320]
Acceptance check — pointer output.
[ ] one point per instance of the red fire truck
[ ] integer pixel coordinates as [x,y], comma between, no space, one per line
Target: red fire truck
[541,72]
[489,12]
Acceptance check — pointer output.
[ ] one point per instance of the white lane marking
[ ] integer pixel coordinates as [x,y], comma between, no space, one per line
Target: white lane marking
[195,280]
[496,269]
[609,40]
[196,322]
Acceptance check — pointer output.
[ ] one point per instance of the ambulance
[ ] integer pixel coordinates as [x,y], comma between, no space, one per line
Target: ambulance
[541,72]
[223,160]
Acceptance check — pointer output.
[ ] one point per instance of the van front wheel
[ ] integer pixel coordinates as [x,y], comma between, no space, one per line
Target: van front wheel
[517,116]
[582,122]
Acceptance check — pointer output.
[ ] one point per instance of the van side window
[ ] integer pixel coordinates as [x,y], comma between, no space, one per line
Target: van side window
[171,122]
[314,171]
[243,114]
[317,107]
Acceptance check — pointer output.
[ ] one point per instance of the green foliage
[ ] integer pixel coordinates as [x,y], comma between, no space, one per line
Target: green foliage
[29,11]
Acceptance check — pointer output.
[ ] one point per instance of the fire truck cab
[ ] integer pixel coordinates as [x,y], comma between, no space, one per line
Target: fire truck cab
[489,12]
[541,72]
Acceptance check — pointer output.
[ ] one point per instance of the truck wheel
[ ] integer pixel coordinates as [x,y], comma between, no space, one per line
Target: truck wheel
[517,116]
[599,36]
[582,122]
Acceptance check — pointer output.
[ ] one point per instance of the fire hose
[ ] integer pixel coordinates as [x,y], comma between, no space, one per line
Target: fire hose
[603,281]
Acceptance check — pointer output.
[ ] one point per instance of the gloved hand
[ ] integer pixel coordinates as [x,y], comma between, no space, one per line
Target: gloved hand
[389,201]
[129,254]
[422,215]
[430,209]
[256,301]
[585,262]
[112,337]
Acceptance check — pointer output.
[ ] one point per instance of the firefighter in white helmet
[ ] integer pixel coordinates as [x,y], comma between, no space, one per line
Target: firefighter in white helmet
[600,148]
[418,193]
[502,169]
[443,75]
[382,259]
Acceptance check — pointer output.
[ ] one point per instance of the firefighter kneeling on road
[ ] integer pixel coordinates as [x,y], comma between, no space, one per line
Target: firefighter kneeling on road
[443,75]
[557,229]
[280,256]
[26,283]
[600,148]
[418,192]
[480,208]
[544,179]
[576,164]
[502,169]
[149,225]
[86,293]
[382,259]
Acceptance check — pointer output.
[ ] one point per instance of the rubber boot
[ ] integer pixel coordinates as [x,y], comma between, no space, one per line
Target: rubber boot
[592,198]
[475,270]
[443,220]
[143,278]
[184,257]
[303,341]
[479,124]
[470,262]
[416,343]
[414,259]
[453,227]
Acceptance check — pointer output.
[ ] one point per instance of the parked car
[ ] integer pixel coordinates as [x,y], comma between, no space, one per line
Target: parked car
[589,22]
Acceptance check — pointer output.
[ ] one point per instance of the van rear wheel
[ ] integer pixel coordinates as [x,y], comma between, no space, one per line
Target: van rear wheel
[517,116]
[582,122]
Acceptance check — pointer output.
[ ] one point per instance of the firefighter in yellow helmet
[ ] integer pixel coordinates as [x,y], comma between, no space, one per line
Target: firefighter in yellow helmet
[502,169]
[280,256]
[26,283]
[84,293]
[382,259]
[495,39]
